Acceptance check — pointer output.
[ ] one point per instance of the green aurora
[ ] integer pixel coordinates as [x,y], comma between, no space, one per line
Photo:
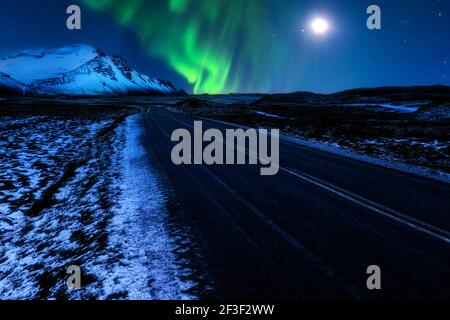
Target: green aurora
[217,46]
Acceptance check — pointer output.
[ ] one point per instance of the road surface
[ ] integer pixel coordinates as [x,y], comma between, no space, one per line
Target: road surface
[311,231]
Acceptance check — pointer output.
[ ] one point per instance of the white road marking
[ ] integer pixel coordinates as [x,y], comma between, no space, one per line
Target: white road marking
[401,218]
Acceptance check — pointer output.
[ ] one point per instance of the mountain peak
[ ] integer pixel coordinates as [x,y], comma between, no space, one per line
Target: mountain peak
[38,64]
[79,69]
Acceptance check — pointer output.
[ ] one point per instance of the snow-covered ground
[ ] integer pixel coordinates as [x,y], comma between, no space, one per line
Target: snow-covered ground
[269,115]
[81,192]
[385,159]
[407,107]
[33,151]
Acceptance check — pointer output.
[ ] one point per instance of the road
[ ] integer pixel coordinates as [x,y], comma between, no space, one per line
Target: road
[311,231]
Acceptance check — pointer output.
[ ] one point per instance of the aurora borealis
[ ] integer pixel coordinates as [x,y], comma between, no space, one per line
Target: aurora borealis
[248,46]
[198,38]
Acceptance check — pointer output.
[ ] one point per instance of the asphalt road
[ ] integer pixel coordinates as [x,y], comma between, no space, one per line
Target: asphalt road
[311,231]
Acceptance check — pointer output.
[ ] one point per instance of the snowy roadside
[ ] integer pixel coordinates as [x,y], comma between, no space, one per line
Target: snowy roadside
[332,147]
[148,268]
[106,213]
[388,161]
[405,134]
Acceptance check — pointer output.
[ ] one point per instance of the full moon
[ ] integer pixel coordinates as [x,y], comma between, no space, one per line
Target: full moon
[320,25]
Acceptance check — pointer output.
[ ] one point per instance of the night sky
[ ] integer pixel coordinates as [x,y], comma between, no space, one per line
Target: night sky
[215,46]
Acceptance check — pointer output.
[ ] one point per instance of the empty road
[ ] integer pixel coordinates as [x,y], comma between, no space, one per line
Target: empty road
[311,231]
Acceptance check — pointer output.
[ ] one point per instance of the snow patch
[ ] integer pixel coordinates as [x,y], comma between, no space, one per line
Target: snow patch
[269,115]
[394,107]
[387,163]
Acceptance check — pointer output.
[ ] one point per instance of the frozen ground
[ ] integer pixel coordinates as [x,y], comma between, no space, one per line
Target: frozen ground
[33,151]
[394,107]
[383,158]
[81,192]
[268,115]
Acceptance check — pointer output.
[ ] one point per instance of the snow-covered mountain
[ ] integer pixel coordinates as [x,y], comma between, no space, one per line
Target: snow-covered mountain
[10,86]
[76,70]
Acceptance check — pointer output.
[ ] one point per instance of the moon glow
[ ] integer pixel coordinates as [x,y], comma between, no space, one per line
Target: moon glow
[320,26]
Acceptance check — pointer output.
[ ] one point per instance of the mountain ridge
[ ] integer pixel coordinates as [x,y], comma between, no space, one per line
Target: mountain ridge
[78,70]
[386,93]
